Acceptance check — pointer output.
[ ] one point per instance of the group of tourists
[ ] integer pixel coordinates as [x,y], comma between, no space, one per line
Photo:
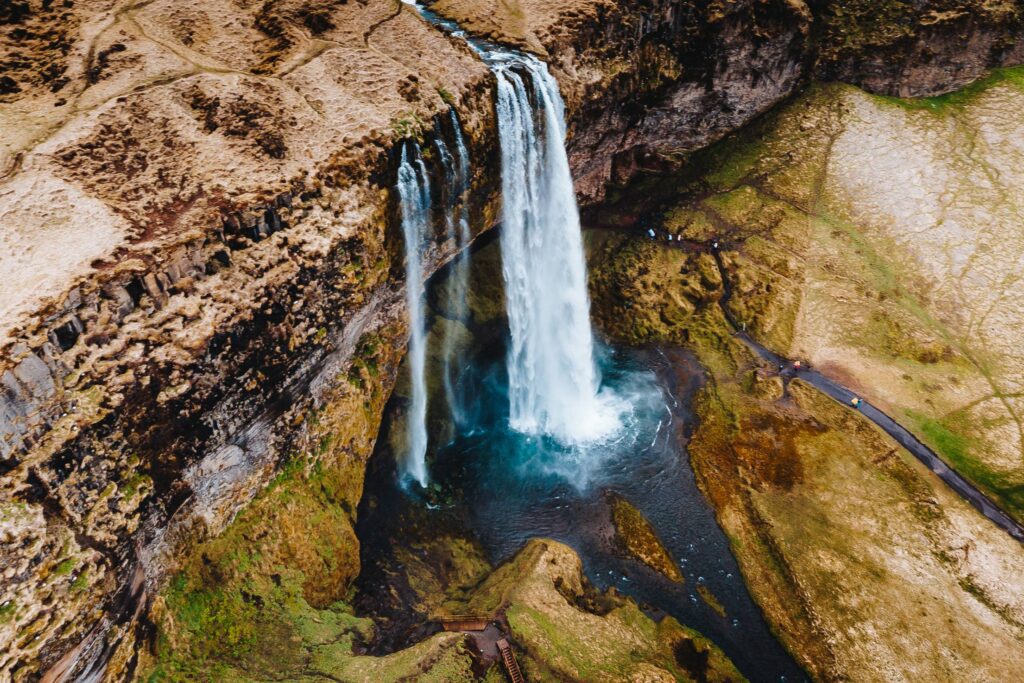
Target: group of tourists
[797,366]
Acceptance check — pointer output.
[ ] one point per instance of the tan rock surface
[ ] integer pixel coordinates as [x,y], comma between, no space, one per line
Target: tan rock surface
[186,188]
[165,113]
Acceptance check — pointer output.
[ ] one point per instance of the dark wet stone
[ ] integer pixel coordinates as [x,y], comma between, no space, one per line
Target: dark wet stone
[33,374]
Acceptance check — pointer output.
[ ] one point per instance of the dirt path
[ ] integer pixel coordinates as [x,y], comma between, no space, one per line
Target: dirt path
[838,392]
[841,394]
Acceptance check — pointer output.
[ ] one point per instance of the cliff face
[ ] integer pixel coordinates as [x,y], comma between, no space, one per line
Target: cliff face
[652,81]
[200,251]
[916,49]
[198,241]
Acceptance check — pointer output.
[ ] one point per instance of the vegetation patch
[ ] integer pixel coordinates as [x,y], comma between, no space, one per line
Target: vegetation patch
[947,437]
[635,536]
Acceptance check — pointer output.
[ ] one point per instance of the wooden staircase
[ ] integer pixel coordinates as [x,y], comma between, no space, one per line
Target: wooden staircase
[509,660]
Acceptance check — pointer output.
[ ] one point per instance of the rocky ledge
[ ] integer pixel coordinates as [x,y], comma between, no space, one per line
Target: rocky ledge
[649,82]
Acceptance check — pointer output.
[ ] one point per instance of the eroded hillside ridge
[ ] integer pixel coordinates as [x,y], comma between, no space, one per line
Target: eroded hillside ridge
[248,274]
[200,250]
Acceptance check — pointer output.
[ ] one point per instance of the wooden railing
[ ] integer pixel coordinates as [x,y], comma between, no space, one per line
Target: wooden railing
[464,623]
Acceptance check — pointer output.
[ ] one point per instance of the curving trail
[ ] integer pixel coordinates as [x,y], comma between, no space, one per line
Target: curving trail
[964,488]
[838,392]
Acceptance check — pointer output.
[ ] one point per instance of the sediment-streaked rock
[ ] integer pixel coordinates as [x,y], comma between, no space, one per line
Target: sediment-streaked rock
[197,242]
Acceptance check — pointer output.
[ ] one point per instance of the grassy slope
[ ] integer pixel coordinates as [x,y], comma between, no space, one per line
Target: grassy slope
[853,550]
[815,277]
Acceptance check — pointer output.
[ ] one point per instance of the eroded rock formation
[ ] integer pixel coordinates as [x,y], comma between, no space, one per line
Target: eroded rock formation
[683,74]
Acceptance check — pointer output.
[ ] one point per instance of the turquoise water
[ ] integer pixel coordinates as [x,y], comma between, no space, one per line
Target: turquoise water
[504,488]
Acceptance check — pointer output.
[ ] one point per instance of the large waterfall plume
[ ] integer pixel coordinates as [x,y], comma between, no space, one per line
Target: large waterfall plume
[414,198]
[554,382]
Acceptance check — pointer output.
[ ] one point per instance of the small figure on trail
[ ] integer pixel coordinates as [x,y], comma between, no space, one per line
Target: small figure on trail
[650,233]
[715,245]
[670,238]
[855,402]
[797,366]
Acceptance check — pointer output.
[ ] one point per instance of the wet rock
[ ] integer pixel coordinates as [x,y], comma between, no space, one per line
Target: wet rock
[635,536]
[35,377]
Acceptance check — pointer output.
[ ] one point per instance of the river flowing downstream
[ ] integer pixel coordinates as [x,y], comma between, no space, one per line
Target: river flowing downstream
[501,487]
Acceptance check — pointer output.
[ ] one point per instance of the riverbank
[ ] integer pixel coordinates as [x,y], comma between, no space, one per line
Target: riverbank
[855,551]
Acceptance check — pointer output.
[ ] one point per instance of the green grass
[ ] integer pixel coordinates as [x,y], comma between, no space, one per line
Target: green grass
[949,442]
[7,611]
[81,581]
[65,567]
[133,483]
[1013,76]
[221,621]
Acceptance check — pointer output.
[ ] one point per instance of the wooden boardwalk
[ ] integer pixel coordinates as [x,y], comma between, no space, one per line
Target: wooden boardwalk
[509,660]
[464,623]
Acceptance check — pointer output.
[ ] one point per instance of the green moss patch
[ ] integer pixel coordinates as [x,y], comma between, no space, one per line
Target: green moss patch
[635,536]
[948,437]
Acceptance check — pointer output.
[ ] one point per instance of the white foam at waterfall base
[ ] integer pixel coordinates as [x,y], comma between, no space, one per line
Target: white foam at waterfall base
[414,197]
[554,382]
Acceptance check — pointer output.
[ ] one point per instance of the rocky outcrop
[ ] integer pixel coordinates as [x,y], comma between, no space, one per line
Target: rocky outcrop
[916,49]
[220,210]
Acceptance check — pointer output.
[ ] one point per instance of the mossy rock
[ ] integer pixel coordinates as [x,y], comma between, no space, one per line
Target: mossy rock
[551,613]
[635,536]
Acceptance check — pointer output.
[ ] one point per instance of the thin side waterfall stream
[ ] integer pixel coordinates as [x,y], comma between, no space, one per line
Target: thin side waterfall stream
[414,197]
[457,176]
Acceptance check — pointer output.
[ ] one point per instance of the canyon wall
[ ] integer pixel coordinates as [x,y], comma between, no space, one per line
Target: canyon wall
[201,253]
[649,82]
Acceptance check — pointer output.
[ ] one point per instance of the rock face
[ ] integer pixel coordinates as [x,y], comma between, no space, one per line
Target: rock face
[200,253]
[917,49]
[683,74]
[198,245]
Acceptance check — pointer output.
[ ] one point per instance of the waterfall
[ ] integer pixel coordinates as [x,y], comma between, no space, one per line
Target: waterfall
[414,198]
[456,166]
[554,383]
